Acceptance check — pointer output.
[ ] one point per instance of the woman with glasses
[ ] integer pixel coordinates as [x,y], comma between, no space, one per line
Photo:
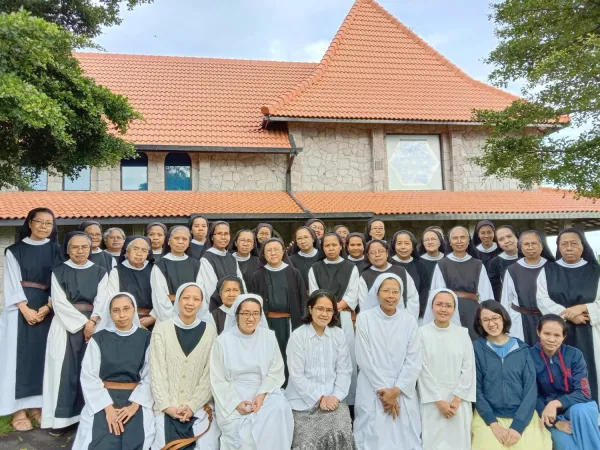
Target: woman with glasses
[520,286]
[114,239]
[318,226]
[79,289]
[180,374]
[132,275]
[342,231]
[505,414]
[263,232]
[388,352]
[98,256]
[570,289]
[375,230]
[463,274]
[447,380]
[217,262]
[304,253]
[320,374]
[282,288]
[377,255]
[26,318]
[244,249]
[246,374]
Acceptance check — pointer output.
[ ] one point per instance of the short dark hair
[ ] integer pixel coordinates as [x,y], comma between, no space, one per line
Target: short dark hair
[312,301]
[495,307]
[553,318]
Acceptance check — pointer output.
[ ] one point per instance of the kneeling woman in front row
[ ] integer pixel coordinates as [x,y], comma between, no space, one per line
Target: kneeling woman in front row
[564,399]
[115,380]
[320,375]
[506,395]
[180,369]
[247,373]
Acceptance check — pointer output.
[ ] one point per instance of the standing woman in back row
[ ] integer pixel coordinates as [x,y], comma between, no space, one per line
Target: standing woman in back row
[157,233]
[304,252]
[484,240]
[26,318]
[198,226]
[508,240]
[570,289]
[375,230]
[244,249]
[97,256]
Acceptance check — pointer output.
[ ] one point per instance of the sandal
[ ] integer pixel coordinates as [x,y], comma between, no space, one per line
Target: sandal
[36,416]
[22,424]
[56,432]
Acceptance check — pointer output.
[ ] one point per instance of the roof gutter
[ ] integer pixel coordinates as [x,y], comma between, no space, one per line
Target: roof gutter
[205,149]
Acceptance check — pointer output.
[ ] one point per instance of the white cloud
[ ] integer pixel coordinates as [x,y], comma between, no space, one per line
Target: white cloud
[314,51]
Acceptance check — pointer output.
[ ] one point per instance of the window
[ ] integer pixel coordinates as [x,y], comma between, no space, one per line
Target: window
[134,173]
[37,184]
[414,162]
[81,183]
[178,172]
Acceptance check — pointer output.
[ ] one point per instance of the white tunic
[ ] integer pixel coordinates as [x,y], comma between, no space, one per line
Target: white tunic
[448,371]
[66,319]
[9,325]
[318,366]
[208,276]
[241,367]
[389,355]
[97,397]
[484,288]
[548,306]
[351,299]
[510,297]
[412,295]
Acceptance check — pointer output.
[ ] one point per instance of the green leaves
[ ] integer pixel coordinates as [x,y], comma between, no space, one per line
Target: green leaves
[51,115]
[554,46]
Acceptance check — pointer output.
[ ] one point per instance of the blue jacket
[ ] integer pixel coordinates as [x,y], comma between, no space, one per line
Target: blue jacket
[562,377]
[505,387]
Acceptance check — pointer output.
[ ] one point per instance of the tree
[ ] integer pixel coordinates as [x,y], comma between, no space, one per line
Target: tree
[554,46]
[51,115]
[82,17]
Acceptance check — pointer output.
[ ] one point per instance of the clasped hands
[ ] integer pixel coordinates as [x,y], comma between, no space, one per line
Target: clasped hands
[246,407]
[577,314]
[117,418]
[32,316]
[329,403]
[389,400]
[448,409]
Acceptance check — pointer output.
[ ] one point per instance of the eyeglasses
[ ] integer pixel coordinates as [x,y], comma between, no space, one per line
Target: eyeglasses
[139,250]
[495,319]
[390,291]
[246,315]
[76,248]
[321,310]
[246,241]
[274,251]
[40,223]
[377,253]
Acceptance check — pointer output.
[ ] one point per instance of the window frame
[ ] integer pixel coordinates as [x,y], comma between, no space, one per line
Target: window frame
[89,188]
[145,156]
[189,158]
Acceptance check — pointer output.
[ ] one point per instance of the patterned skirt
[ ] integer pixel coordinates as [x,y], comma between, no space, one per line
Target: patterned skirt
[323,430]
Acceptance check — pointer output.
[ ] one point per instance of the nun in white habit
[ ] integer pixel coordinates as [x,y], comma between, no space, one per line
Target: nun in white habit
[180,370]
[389,355]
[115,379]
[247,372]
[447,379]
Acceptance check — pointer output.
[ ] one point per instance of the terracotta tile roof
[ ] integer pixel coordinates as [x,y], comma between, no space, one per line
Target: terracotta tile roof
[197,101]
[377,68]
[74,205]
[544,200]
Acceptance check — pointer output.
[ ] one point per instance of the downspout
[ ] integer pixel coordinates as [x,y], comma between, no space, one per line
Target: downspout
[288,175]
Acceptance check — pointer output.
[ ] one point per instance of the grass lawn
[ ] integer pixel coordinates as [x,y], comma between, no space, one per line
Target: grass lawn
[5,426]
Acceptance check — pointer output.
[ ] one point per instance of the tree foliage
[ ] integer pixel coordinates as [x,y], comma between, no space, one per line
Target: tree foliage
[554,47]
[82,17]
[51,115]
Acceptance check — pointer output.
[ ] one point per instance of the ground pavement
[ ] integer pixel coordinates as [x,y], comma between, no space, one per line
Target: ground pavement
[36,440]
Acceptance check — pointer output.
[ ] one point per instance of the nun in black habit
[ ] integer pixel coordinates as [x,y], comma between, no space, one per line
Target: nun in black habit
[263,232]
[403,252]
[355,250]
[318,226]
[198,226]
[244,249]
[431,249]
[228,289]
[570,289]
[132,275]
[97,256]
[283,291]
[78,288]
[115,380]
[508,241]
[304,251]
[27,315]
[520,286]
[484,240]
[375,230]
[157,233]
[217,262]
[174,269]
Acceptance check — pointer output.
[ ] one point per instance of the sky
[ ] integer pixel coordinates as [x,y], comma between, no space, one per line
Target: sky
[299,30]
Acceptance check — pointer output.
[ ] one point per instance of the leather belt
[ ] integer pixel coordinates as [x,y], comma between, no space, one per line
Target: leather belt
[33,284]
[467,295]
[84,307]
[143,312]
[526,311]
[172,298]
[181,443]
[120,386]
[278,315]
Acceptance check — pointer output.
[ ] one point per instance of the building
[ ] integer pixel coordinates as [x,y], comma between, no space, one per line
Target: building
[382,125]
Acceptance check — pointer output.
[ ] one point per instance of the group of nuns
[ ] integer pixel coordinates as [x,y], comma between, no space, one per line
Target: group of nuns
[190,338]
